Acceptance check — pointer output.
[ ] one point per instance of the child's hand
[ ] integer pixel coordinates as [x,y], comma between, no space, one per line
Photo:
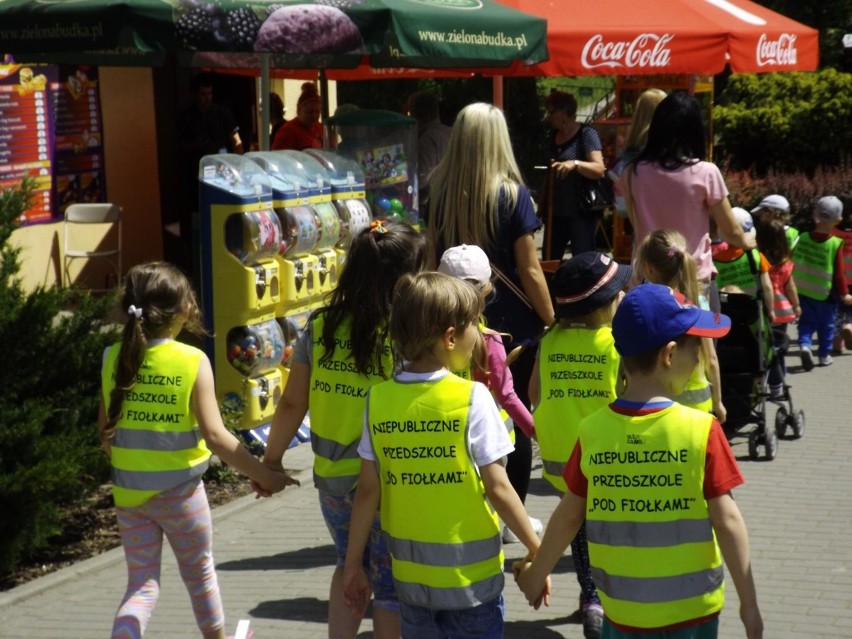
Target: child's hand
[847,299]
[720,412]
[356,590]
[752,622]
[536,591]
[276,481]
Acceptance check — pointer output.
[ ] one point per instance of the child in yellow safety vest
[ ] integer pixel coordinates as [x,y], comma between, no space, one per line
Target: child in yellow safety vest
[820,281]
[662,258]
[431,453]
[843,324]
[653,480]
[774,244]
[575,373]
[344,350]
[158,422]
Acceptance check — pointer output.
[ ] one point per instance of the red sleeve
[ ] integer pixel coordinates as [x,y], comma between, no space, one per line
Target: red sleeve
[721,473]
[573,476]
[839,271]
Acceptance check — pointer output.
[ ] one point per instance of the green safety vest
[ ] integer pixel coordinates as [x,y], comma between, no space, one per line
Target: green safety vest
[157,444]
[336,400]
[652,548]
[739,272]
[443,536]
[814,266]
[578,372]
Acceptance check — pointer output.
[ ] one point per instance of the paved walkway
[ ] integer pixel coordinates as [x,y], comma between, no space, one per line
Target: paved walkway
[274,555]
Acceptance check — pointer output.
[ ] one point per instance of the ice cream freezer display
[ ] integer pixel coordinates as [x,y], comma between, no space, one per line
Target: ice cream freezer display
[241,288]
[384,145]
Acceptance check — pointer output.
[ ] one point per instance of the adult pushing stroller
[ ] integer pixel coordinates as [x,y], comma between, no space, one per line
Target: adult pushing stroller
[746,356]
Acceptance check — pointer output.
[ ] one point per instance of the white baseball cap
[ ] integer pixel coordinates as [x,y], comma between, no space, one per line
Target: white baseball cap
[828,208]
[744,219]
[466,262]
[773,201]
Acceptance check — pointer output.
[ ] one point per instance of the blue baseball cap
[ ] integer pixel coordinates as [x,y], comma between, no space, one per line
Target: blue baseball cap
[650,316]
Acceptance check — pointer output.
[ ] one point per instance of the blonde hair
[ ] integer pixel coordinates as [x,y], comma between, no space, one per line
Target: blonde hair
[662,258]
[427,304]
[601,316]
[637,134]
[466,184]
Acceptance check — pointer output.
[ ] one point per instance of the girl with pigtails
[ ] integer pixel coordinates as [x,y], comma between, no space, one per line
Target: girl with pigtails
[158,422]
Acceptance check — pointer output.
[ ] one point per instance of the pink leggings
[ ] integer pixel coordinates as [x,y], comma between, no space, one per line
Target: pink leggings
[183,514]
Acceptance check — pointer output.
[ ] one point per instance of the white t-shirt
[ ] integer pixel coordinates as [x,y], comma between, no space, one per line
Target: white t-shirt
[488,440]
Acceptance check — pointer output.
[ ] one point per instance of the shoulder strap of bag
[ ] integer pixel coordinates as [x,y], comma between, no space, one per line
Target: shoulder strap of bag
[512,287]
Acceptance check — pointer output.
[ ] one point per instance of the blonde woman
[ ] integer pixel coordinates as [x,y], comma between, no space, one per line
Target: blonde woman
[637,135]
[478,197]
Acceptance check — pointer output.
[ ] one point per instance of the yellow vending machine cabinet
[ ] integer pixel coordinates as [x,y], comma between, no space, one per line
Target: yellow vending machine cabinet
[241,287]
[300,232]
[348,196]
[319,189]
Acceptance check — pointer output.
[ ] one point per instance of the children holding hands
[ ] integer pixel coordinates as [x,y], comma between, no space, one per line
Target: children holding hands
[431,453]
[656,552]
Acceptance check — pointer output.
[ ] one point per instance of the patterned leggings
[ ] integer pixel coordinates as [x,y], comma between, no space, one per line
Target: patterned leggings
[183,514]
[580,556]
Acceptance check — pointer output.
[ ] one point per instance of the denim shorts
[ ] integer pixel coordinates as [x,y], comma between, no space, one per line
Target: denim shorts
[707,630]
[337,512]
[485,621]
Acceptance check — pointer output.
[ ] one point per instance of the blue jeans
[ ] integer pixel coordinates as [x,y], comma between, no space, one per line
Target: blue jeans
[817,316]
[485,621]
[707,630]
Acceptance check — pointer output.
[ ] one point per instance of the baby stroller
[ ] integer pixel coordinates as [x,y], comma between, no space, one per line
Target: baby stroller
[746,355]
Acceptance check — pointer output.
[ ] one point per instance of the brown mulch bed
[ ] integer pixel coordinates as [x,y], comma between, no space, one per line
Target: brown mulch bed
[91,530]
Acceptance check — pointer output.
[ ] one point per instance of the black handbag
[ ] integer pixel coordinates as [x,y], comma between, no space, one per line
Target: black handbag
[593,196]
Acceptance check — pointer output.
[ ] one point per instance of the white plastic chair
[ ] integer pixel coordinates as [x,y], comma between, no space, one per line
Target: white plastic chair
[79,243]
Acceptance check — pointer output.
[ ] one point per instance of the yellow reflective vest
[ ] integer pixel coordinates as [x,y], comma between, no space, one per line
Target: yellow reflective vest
[814,266]
[157,444]
[337,398]
[578,371]
[442,534]
[739,272]
[653,551]
[697,393]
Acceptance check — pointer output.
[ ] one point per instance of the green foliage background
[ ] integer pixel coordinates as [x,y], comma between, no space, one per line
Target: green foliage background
[49,385]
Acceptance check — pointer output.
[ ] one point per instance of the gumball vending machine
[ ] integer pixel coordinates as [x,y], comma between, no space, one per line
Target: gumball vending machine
[300,231]
[347,195]
[384,145]
[241,287]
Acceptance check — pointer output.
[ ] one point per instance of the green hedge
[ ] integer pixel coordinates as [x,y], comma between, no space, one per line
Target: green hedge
[786,121]
[49,384]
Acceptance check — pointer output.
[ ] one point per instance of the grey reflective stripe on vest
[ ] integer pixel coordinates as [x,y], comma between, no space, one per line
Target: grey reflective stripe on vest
[553,467]
[652,590]
[449,598]
[156,440]
[339,485]
[156,479]
[694,396]
[656,534]
[439,554]
[821,287]
[332,450]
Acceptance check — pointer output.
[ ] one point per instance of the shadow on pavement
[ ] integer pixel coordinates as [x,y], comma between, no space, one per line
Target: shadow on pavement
[537,629]
[293,560]
[300,609]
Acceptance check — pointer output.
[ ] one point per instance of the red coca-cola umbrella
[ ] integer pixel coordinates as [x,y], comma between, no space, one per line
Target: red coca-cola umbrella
[618,37]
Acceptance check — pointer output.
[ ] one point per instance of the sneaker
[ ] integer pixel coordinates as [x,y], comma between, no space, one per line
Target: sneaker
[511,538]
[846,332]
[592,616]
[826,361]
[807,358]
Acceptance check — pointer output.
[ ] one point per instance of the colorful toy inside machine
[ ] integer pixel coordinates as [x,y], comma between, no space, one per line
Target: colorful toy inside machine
[384,145]
[255,348]
[253,235]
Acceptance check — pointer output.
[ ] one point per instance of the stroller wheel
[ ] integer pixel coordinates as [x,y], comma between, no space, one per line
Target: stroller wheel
[798,424]
[781,418]
[770,444]
[752,445]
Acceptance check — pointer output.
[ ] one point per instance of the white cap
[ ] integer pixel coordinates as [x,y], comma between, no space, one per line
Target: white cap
[744,219]
[466,262]
[828,208]
[773,201]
